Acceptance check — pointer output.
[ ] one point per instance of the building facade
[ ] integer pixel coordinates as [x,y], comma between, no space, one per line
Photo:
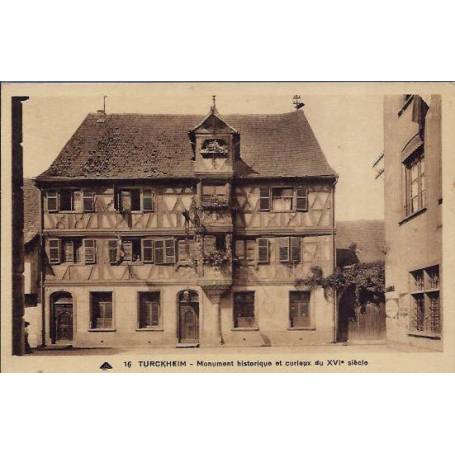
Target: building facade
[180,230]
[413,224]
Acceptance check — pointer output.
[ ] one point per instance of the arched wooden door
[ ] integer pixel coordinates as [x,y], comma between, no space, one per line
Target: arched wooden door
[188,313]
[62,317]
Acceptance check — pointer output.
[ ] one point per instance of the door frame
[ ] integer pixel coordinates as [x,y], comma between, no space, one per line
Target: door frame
[54,303]
[180,301]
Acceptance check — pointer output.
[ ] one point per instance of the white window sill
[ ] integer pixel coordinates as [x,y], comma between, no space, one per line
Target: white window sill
[150,329]
[311,328]
[244,329]
[102,330]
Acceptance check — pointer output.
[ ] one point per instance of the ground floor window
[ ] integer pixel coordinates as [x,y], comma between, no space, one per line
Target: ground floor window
[299,309]
[101,310]
[149,310]
[425,314]
[244,309]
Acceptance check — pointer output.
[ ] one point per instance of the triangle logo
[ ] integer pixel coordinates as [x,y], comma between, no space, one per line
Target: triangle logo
[106,366]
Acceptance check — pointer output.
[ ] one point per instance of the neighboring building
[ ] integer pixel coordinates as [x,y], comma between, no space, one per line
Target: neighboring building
[413,205]
[182,230]
[32,262]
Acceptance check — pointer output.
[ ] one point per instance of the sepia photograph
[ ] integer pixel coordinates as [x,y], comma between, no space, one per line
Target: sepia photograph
[223,227]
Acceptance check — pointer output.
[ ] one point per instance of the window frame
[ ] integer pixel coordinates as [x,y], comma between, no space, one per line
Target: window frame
[310,323]
[110,249]
[265,245]
[152,248]
[151,328]
[71,191]
[91,262]
[112,302]
[290,249]
[166,260]
[416,159]
[90,197]
[290,198]
[152,199]
[58,248]
[54,197]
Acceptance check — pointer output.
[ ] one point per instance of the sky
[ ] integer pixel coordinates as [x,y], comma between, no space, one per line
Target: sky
[348,124]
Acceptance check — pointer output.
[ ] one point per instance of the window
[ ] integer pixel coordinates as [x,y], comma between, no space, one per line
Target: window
[149,310]
[52,201]
[264,199]
[415,182]
[299,309]
[263,251]
[301,199]
[245,251]
[289,249]
[113,251]
[164,251]
[90,251]
[282,199]
[147,250]
[425,304]
[101,310]
[55,254]
[66,200]
[131,250]
[87,201]
[129,200]
[244,309]
[71,250]
[148,201]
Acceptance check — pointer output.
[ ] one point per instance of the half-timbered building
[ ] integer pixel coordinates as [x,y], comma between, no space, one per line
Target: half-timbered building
[184,230]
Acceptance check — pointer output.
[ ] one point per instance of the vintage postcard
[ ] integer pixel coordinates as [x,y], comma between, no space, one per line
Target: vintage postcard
[227,227]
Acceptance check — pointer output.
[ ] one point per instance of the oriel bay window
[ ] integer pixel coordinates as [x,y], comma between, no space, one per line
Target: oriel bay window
[149,311]
[244,310]
[101,310]
[299,309]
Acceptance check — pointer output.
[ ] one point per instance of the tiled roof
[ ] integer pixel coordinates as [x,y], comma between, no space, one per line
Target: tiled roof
[141,146]
[31,210]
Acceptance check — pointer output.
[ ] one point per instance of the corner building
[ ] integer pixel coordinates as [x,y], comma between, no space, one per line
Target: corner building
[182,230]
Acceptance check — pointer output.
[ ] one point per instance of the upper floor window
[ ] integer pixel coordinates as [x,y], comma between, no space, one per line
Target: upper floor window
[212,147]
[135,200]
[415,182]
[70,200]
[283,199]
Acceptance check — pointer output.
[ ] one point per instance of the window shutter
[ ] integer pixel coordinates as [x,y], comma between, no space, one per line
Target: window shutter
[125,201]
[264,199]
[52,201]
[113,253]
[302,199]
[127,246]
[251,252]
[295,249]
[90,251]
[240,249]
[284,249]
[148,201]
[147,250]
[54,251]
[159,251]
[169,246]
[263,250]
[87,198]
[68,251]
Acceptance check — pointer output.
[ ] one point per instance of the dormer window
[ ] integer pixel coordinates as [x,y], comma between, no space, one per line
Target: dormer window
[214,147]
